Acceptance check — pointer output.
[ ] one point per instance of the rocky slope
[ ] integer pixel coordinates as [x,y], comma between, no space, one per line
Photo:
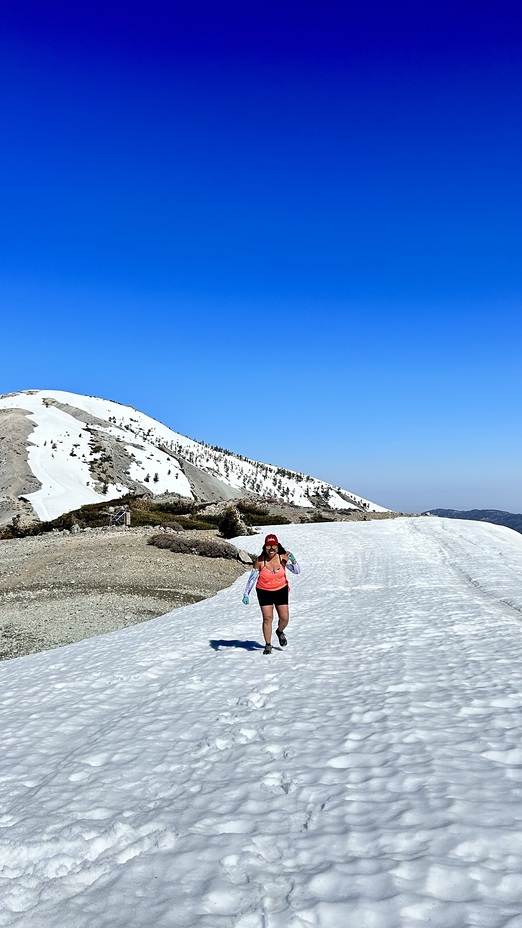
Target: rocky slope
[59,451]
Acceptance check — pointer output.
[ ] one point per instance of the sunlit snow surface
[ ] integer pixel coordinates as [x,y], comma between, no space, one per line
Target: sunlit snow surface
[369,775]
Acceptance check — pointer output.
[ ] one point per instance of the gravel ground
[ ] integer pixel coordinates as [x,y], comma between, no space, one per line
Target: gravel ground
[56,589]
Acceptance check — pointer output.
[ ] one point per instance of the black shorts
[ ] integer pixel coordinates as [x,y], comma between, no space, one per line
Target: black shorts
[273,597]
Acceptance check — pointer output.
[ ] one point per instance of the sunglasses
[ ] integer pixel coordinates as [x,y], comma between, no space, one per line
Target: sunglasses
[271,547]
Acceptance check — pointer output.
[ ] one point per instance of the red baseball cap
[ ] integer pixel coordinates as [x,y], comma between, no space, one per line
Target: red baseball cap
[271,540]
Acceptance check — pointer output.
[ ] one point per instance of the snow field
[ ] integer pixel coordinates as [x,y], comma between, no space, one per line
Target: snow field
[163,471]
[64,486]
[368,775]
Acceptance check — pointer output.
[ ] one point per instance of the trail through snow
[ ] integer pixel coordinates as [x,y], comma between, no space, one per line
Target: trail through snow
[369,775]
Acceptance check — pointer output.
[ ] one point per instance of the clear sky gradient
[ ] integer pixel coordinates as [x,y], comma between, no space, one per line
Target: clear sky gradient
[293,231]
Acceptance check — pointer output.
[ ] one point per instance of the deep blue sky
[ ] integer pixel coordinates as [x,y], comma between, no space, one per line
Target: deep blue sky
[289,230]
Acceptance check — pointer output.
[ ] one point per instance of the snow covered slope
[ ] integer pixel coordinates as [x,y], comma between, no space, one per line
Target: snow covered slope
[369,775]
[84,449]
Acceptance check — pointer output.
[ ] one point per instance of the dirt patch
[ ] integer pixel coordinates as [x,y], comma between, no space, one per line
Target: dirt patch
[57,589]
[17,478]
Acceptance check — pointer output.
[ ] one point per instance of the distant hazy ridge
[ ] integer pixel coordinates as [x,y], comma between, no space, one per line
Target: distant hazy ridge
[496,516]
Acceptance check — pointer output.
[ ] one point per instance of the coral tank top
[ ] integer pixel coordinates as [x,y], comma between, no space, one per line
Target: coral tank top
[272,579]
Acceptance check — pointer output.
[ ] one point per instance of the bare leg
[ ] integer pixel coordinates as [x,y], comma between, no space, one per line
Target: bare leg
[268,616]
[283,615]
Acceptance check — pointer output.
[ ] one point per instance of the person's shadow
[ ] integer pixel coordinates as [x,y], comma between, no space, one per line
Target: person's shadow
[246,645]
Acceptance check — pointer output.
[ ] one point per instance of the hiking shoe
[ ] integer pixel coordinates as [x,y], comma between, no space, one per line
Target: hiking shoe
[282,638]
[268,649]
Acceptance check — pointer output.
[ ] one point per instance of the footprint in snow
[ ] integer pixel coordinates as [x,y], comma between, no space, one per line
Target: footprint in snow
[276,781]
[257,698]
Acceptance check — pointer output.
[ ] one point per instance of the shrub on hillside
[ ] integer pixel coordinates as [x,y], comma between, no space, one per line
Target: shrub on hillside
[196,524]
[318,517]
[205,547]
[251,512]
[179,507]
[230,524]
[13,530]
[271,520]
[148,517]
[254,514]
[200,513]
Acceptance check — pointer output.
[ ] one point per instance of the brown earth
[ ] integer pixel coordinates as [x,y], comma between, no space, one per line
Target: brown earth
[59,588]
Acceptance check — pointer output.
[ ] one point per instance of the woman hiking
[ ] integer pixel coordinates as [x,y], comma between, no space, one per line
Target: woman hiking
[269,576]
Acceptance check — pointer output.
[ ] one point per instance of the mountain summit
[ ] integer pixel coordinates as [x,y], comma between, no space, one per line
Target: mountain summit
[60,450]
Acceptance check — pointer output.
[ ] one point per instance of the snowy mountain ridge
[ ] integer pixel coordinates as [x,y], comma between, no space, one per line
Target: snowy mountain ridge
[83,449]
